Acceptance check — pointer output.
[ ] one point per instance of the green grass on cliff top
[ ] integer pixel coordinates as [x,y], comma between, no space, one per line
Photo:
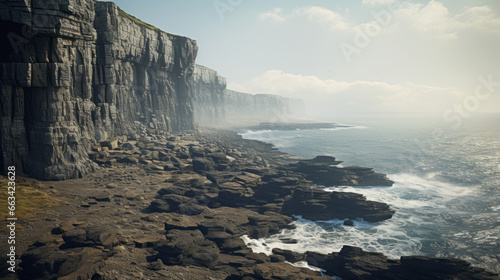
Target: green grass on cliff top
[136,20]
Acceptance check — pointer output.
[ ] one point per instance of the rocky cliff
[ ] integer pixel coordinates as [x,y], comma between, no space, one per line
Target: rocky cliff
[209,96]
[47,60]
[216,105]
[243,107]
[75,73]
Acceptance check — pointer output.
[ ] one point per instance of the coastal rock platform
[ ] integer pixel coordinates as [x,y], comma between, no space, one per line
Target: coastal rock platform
[176,207]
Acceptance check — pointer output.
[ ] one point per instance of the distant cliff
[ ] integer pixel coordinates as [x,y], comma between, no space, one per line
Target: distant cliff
[76,73]
[244,107]
[216,105]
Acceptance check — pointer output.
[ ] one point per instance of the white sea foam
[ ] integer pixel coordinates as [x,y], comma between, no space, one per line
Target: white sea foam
[411,191]
[416,200]
[454,219]
[344,127]
[250,134]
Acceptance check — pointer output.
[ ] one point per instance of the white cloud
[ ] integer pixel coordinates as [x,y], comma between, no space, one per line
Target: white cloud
[324,17]
[378,2]
[367,96]
[319,15]
[432,18]
[483,18]
[274,15]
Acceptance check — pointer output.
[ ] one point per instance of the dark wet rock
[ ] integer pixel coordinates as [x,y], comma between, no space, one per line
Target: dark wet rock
[197,151]
[276,258]
[187,247]
[209,226]
[91,236]
[257,257]
[203,164]
[159,205]
[47,262]
[315,204]
[329,160]
[289,241]
[110,144]
[232,244]
[234,194]
[355,263]
[322,170]
[170,167]
[128,160]
[233,261]
[348,223]
[219,158]
[191,209]
[63,227]
[173,199]
[247,178]
[157,265]
[182,222]
[289,256]
[275,270]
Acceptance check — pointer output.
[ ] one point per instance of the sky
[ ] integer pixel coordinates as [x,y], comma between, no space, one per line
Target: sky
[356,56]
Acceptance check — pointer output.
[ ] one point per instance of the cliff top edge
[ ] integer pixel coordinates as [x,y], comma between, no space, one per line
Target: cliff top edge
[138,21]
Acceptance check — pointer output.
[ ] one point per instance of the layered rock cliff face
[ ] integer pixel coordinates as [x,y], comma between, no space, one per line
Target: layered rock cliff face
[216,105]
[268,106]
[75,72]
[142,74]
[259,107]
[47,58]
[209,96]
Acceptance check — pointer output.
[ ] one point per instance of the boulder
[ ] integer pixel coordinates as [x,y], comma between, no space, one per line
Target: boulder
[202,164]
[355,263]
[315,204]
[187,247]
[91,236]
[47,262]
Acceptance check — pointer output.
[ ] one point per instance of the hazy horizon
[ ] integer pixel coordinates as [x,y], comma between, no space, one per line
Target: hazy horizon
[375,56]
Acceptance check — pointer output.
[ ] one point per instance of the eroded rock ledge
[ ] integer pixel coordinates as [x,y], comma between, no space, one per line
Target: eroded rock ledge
[175,208]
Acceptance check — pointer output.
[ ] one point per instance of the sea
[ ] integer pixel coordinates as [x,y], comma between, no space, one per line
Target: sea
[446,192]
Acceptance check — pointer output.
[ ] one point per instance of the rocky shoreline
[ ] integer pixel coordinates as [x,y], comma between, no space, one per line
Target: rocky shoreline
[176,207]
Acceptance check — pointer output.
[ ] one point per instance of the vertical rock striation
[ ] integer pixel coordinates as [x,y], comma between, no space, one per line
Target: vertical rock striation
[76,72]
[142,74]
[209,96]
[47,58]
